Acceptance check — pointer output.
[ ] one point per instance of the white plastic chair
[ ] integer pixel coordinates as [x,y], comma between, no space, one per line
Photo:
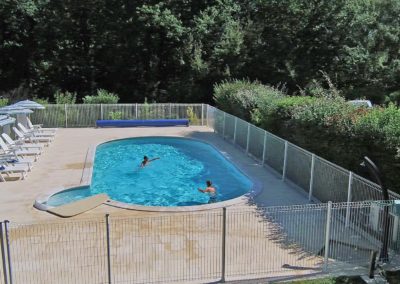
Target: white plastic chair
[19,144]
[34,132]
[11,159]
[39,127]
[19,152]
[30,138]
[10,169]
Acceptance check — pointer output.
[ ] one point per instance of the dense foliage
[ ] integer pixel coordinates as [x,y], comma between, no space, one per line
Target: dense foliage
[102,97]
[176,50]
[325,124]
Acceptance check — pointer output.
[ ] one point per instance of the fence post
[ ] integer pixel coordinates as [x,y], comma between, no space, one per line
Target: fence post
[348,198]
[101,112]
[264,147]
[202,114]
[234,132]
[223,244]
[66,116]
[3,254]
[223,126]
[327,235]
[136,111]
[108,248]
[372,264]
[170,110]
[248,138]
[310,190]
[207,110]
[6,222]
[284,161]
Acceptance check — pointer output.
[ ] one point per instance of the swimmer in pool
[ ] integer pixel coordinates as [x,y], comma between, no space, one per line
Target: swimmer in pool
[211,191]
[146,161]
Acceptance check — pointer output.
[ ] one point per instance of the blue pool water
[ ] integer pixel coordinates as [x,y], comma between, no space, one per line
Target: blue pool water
[173,180]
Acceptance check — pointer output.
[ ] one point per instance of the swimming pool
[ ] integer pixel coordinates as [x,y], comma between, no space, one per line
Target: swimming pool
[184,166]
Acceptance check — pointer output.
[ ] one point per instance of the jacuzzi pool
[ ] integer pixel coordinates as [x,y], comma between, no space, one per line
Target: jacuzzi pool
[184,166]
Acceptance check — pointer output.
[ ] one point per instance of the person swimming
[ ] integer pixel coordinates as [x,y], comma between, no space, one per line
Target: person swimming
[146,161]
[211,191]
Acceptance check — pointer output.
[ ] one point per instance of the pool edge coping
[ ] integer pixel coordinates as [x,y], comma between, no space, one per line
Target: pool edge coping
[87,173]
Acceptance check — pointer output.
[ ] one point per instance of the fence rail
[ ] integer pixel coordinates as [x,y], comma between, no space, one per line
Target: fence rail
[85,115]
[319,178]
[228,244]
[235,243]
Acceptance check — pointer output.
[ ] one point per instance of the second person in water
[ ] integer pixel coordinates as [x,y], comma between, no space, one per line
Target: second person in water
[211,191]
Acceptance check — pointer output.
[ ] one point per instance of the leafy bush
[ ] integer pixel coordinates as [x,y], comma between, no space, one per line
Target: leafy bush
[64,97]
[393,97]
[194,120]
[103,97]
[241,98]
[42,101]
[115,115]
[270,111]
[381,124]
[3,102]
[327,112]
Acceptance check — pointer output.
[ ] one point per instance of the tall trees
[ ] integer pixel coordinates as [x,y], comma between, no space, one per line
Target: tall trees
[176,50]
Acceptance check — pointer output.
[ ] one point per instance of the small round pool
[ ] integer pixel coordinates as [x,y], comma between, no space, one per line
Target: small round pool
[184,166]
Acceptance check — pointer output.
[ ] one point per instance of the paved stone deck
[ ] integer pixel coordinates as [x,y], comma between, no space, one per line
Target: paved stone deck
[61,165]
[167,246]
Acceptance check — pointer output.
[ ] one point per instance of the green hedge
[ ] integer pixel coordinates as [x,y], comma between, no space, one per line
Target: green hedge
[324,124]
[240,98]
[103,97]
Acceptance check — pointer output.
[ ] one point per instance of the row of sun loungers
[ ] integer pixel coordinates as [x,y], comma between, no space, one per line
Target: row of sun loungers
[18,155]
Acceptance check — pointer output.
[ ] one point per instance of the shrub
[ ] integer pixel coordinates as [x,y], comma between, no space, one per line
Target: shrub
[64,97]
[271,111]
[115,115]
[328,112]
[102,97]
[3,102]
[394,98]
[381,124]
[241,98]
[42,101]
[192,116]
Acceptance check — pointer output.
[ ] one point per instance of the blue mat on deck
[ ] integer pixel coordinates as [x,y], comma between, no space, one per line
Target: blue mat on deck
[142,122]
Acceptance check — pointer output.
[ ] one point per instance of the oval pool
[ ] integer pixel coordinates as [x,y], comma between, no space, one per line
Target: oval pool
[184,166]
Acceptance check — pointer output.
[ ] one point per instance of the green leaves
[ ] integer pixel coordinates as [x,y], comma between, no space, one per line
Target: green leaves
[177,50]
[103,97]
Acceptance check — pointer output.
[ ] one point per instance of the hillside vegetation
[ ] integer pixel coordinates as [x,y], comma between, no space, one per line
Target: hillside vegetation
[322,122]
[174,51]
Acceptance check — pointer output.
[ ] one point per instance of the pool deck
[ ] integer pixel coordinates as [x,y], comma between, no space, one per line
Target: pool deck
[181,245]
[61,165]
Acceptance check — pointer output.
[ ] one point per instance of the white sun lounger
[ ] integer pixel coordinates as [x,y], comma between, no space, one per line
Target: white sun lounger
[15,160]
[35,133]
[18,152]
[10,169]
[19,144]
[31,138]
[39,127]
